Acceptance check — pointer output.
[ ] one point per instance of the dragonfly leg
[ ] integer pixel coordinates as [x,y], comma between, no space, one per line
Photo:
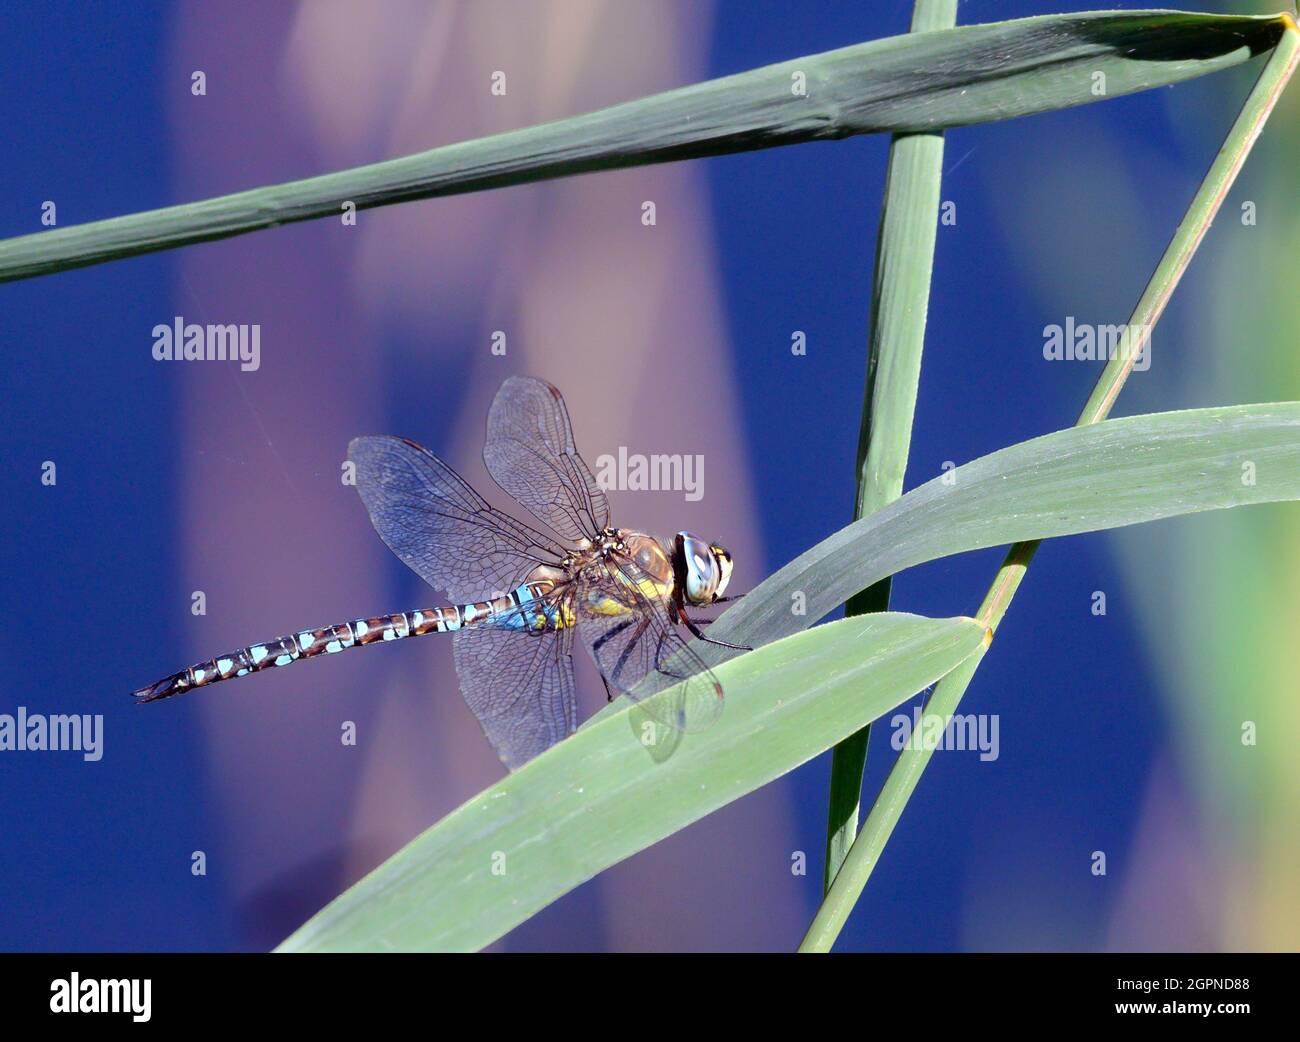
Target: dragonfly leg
[599,643]
[613,631]
[694,627]
[627,651]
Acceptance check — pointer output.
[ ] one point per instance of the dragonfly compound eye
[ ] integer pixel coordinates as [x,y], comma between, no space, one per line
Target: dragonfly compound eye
[700,569]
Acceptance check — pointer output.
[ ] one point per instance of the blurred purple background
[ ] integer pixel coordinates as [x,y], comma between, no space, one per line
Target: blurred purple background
[1118,733]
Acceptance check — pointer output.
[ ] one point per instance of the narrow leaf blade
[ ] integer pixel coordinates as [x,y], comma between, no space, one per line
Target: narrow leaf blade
[1084,479]
[918,81]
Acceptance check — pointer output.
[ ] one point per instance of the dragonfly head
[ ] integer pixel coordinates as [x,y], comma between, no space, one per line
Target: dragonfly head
[702,568]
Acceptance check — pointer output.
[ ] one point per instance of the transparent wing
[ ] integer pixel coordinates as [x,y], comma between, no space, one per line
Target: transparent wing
[639,650]
[435,522]
[530,453]
[519,684]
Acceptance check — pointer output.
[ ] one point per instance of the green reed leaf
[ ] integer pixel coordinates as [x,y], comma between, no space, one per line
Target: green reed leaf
[914,82]
[1083,479]
[906,772]
[600,796]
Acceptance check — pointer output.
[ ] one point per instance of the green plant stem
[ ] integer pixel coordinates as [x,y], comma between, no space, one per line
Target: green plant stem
[899,299]
[905,774]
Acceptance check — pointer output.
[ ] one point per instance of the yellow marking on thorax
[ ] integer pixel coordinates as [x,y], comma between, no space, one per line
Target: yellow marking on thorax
[652,588]
[607,606]
[610,606]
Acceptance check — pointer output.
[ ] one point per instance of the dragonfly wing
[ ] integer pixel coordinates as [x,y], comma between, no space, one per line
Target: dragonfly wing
[639,650]
[439,526]
[519,685]
[531,454]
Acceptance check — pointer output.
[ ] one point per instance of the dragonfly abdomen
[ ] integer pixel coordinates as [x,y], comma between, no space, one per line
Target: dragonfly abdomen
[332,639]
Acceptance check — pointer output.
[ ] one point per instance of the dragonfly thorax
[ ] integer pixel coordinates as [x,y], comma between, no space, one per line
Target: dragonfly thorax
[612,540]
[644,551]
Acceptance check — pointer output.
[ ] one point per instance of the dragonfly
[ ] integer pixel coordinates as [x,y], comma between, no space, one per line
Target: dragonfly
[521,595]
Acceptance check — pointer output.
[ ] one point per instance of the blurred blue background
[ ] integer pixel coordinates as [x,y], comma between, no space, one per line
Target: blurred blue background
[172,479]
